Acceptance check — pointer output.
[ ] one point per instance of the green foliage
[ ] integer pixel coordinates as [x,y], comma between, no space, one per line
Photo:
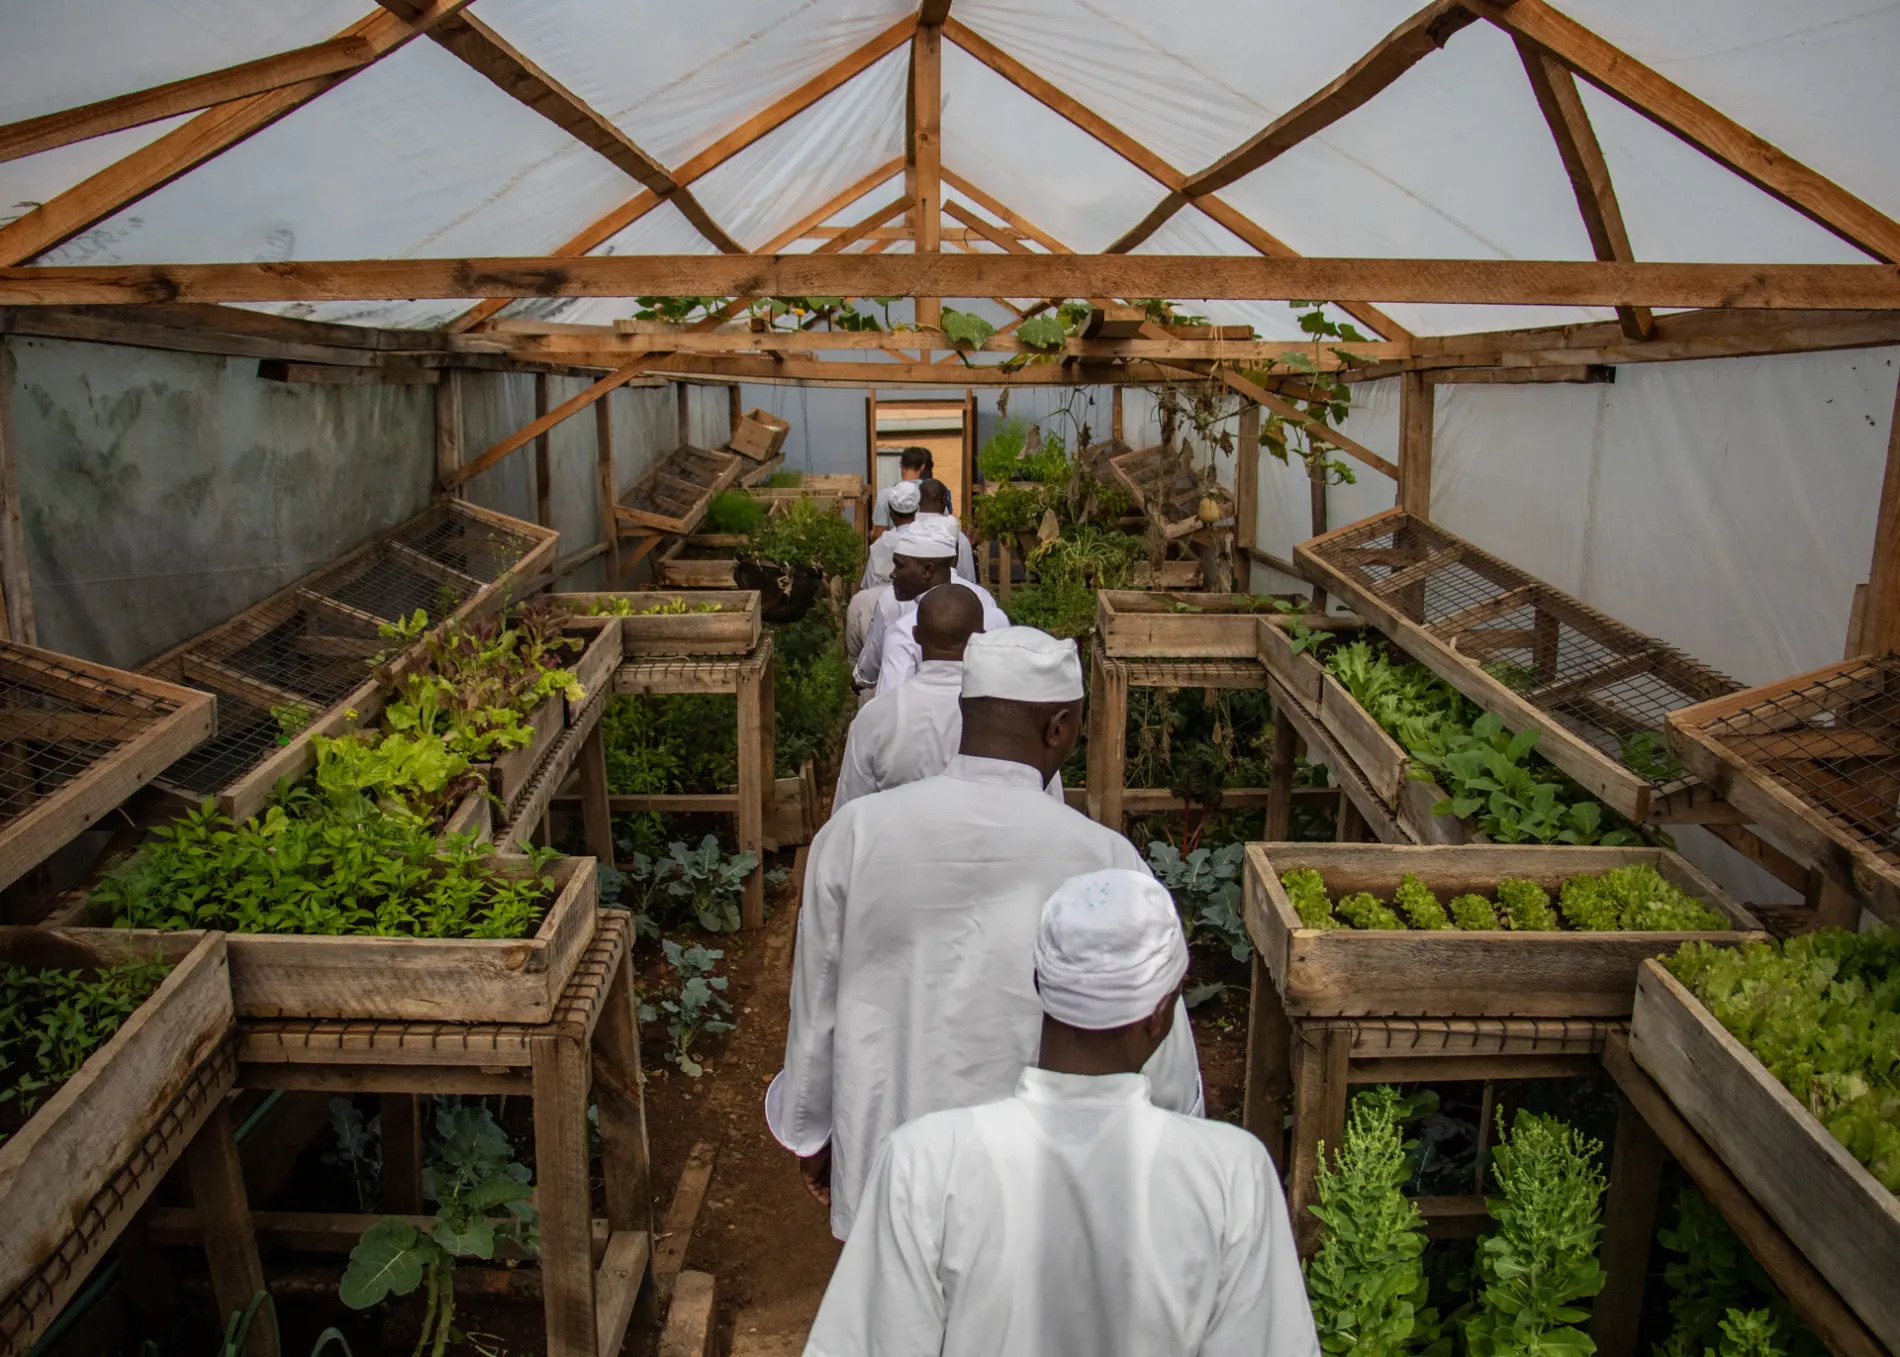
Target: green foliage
[703,881]
[1473,912]
[1044,332]
[1367,1282]
[1205,885]
[51,1020]
[785,480]
[807,533]
[813,699]
[1307,890]
[1066,609]
[1487,773]
[1713,1279]
[1196,743]
[1748,1334]
[1646,753]
[481,1194]
[1822,1013]
[965,329]
[1640,901]
[1086,554]
[1362,909]
[1006,508]
[1420,907]
[1541,1259]
[1525,906]
[359,1150]
[1636,899]
[734,511]
[698,1005]
[678,310]
[301,869]
[636,605]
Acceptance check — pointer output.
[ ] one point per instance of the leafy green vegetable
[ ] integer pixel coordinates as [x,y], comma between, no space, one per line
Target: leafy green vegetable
[1646,753]
[734,511]
[1363,910]
[1307,891]
[1713,1278]
[1636,899]
[1525,906]
[1474,912]
[51,1020]
[807,533]
[698,1006]
[1044,332]
[1420,906]
[1206,889]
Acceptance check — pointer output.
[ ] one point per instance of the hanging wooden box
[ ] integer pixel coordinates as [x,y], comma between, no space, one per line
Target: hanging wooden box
[674,496]
[1457,972]
[760,436]
[732,630]
[1829,1205]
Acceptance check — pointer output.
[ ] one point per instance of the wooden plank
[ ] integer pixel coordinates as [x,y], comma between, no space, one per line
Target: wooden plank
[755,779]
[1379,758]
[450,451]
[1629,1224]
[682,1216]
[923,152]
[1454,972]
[217,1193]
[1269,1064]
[692,1324]
[1321,1059]
[1292,413]
[521,437]
[562,1193]
[1323,749]
[16,588]
[617,1288]
[1880,611]
[1415,444]
[1215,277]
[326,374]
[1147,624]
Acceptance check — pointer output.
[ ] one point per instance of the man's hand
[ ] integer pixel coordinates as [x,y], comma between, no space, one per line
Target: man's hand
[816,1171]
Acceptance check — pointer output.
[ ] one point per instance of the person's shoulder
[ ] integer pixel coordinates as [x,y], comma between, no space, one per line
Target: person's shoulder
[1216,1143]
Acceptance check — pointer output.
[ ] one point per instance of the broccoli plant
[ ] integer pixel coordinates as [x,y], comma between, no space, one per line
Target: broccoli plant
[698,1006]
[1206,889]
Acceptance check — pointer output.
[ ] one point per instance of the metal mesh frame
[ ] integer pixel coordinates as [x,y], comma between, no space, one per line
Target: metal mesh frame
[1606,683]
[58,722]
[1160,672]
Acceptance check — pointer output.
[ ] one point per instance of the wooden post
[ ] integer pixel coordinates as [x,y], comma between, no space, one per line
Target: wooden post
[684,415]
[755,786]
[965,506]
[1349,826]
[870,451]
[608,487]
[402,1154]
[1629,1223]
[1005,570]
[448,430]
[1280,786]
[1316,496]
[596,818]
[1247,480]
[217,1190]
[14,580]
[1269,1064]
[1108,756]
[625,1160]
[923,160]
[543,456]
[1415,443]
[560,1063]
[1880,616]
[1321,1063]
[1115,413]
[735,411]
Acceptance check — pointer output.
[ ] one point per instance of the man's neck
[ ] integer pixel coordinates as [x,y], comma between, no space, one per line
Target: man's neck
[1068,1050]
[1004,751]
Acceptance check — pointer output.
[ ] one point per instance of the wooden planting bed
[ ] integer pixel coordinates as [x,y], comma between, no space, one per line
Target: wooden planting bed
[1816,758]
[1590,684]
[673,497]
[760,436]
[732,630]
[593,668]
[306,648]
[1835,1212]
[77,739]
[841,492]
[1174,498]
[73,1177]
[1136,624]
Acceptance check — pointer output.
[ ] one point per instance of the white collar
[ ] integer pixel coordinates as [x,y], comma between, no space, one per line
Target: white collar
[940,673]
[1038,1085]
[1003,772]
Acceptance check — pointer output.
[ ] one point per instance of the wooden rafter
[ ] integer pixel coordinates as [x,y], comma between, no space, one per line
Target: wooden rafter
[1001,239]
[1002,212]
[923,146]
[933,12]
[1562,105]
[1145,160]
[595,341]
[489,54]
[1395,54]
[534,429]
[1674,109]
[1354,449]
[151,167]
[851,235]
[1502,282]
[832,206]
[774,116]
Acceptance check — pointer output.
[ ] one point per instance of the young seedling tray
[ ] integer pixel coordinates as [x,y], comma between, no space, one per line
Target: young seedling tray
[81,1137]
[1592,684]
[1139,624]
[593,669]
[733,630]
[1827,1203]
[1457,972]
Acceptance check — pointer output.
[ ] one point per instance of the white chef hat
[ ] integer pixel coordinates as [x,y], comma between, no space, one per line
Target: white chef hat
[1109,950]
[905,497]
[931,538]
[1022,665]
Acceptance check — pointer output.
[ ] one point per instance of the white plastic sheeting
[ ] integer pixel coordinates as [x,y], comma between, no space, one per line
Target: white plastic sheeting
[420,156]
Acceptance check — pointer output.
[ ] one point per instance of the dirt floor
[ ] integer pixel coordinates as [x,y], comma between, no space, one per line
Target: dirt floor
[766,1240]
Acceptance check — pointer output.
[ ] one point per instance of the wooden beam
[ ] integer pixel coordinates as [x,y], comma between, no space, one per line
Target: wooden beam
[774,116]
[332,374]
[1395,54]
[449,450]
[491,55]
[1880,609]
[1579,374]
[151,167]
[1577,145]
[544,458]
[16,592]
[1674,109]
[851,235]
[805,225]
[1246,480]
[33,135]
[1415,444]
[1004,212]
[1292,413]
[1504,282]
[527,433]
[1007,243]
[1148,163]
[923,154]
[933,12]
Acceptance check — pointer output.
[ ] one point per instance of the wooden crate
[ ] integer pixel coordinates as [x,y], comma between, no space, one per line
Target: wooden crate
[733,630]
[1831,1207]
[600,656]
[512,768]
[1212,626]
[76,739]
[1454,972]
[308,645]
[1593,683]
[673,497]
[85,1133]
[760,435]
[1174,498]
[675,573]
[593,669]
[1816,759]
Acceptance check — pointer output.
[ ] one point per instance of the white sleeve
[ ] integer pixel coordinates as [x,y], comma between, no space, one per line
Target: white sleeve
[901,654]
[798,1104]
[966,559]
[886,1296]
[857,769]
[1260,1306]
[872,656]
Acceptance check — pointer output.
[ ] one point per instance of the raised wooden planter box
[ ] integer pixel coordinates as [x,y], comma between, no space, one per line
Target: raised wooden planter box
[760,436]
[1455,972]
[283,975]
[733,630]
[1214,626]
[1302,675]
[698,574]
[1831,1207]
[510,771]
[51,1168]
[594,668]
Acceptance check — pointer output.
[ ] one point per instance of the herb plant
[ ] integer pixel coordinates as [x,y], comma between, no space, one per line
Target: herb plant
[698,1006]
[1206,889]
[734,511]
[1713,1279]
[52,1019]
[1633,898]
[806,534]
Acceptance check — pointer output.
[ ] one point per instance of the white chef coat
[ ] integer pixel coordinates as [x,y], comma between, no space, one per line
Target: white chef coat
[899,654]
[914,983]
[857,619]
[880,561]
[1075,1219]
[909,733]
[881,507]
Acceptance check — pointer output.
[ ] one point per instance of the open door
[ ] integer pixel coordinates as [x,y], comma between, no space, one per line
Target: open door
[946,427]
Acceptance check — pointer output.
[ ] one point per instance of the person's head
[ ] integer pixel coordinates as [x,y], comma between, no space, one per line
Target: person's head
[905,500]
[923,556]
[1110,961]
[933,496]
[913,464]
[947,617]
[1022,698]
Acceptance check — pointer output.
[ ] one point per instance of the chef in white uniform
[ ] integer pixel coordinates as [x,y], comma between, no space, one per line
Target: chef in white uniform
[934,498]
[913,986]
[912,731]
[1076,1218]
[924,552]
[876,582]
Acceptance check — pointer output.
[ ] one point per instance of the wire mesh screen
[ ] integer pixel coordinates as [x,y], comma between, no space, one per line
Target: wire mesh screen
[1608,684]
[1835,743]
[57,722]
[1151,672]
